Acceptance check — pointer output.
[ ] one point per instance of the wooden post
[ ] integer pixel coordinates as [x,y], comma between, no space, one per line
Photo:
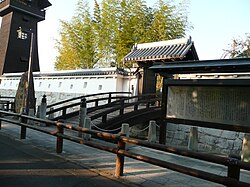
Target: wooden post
[96,103]
[23,128]
[233,170]
[0,121]
[1,108]
[109,100]
[135,107]
[12,105]
[38,111]
[64,112]
[120,158]
[7,105]
[122,106]
[104,118]
[59,141]
[163,126]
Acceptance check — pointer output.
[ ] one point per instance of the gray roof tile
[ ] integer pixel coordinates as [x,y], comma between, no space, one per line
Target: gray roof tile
[162,50]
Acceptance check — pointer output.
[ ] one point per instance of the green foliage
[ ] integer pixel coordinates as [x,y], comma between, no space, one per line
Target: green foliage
[68,58]
[76,48]
[104,38]
[131,20]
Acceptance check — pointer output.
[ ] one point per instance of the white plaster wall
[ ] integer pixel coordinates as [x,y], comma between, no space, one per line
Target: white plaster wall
[10,84]
[119,83]
[83,85]
[63,87]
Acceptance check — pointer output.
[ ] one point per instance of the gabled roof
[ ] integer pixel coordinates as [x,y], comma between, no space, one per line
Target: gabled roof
[169,50]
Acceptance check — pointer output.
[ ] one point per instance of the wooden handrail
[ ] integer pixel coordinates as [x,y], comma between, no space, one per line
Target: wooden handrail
[6,97]
[78,104]
[147,98]
[120,151]
[125,105]
[86,96]
[183,152]
[8,104]
[187,153]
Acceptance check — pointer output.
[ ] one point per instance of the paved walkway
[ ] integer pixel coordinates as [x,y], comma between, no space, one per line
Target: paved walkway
[103,163]
[24,165]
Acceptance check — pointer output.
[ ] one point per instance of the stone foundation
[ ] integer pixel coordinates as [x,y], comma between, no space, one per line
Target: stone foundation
[209,140]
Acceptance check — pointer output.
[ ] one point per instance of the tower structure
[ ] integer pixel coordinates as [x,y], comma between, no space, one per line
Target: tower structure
[19,22]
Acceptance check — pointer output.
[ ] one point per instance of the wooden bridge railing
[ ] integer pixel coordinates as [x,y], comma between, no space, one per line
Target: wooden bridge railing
[233,165]
[62,106]
[116,102]
[7,103]
[150,102]
[110,95]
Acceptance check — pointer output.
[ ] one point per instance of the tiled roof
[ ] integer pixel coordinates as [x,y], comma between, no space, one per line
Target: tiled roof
[80,72]
[163,50]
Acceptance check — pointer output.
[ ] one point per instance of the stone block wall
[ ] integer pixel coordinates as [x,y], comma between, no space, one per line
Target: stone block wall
[177,135]
[209,140]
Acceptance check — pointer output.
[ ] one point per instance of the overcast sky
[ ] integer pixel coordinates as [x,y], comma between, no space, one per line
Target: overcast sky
[215,22]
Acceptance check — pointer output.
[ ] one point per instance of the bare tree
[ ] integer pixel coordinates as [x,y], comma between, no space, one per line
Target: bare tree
[239,48]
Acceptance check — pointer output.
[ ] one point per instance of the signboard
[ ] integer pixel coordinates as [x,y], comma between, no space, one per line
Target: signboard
[229,105]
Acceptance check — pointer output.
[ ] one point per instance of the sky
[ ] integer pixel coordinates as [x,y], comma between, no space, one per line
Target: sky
[215,23]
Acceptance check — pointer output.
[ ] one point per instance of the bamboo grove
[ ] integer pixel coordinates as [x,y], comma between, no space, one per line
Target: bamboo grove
[103,36]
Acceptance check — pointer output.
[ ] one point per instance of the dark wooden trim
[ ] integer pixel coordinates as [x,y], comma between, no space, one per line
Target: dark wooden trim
[163,124]
[208,82]
[214,125]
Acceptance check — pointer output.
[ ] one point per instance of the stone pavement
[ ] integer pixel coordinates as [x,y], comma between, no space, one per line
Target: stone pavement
[24,165]
[136,173]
